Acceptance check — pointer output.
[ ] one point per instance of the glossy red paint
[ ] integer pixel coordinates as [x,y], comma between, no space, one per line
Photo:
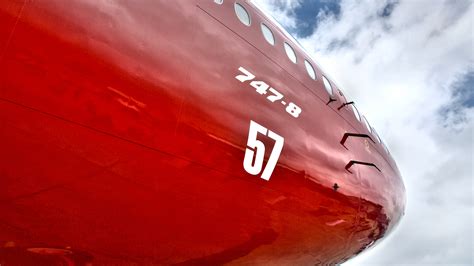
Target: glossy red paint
[123,130]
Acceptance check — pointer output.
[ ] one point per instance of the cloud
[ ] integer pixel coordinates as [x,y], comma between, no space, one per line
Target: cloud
[409,66]
[281,10]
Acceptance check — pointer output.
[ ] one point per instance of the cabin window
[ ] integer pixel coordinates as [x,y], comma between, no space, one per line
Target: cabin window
[367,125]
[376,135]
[327,86]
[356,113]
[310,69]
[290,53]
[242,14]
[385,147]
[267,33]
[219,2]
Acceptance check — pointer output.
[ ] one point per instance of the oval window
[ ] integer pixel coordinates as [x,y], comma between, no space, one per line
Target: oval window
[385,147]
[310,69]
[267,33]
[327,86]
[242,14]
[290,53]
[376,135]
[356,113]
[367,125]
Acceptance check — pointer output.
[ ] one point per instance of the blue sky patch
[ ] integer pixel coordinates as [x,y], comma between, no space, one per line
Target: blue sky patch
[464,90]
[388,8]
[306,14]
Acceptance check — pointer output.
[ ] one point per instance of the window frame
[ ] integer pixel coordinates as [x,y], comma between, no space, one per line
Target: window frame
[306,64]
[356,113]
[293,52]
[367,124]
[327,83]
[236,4]
[264,26]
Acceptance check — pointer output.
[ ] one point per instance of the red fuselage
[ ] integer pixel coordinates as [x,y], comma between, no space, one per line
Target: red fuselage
[123,132]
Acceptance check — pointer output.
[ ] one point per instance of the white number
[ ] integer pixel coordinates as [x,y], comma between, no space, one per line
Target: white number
[276,96]
[255,151]
[247,75]
[260,86]
[272,161]
[254,144]
[293,109]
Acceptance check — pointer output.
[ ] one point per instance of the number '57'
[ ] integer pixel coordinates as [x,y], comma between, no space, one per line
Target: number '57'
[255,151]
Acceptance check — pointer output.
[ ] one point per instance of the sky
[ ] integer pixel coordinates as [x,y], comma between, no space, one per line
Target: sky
[409,66]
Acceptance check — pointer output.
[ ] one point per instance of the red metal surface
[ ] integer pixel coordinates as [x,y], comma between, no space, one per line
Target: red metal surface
[123,131]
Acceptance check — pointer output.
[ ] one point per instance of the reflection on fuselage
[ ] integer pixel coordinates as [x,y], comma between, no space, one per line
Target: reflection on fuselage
[123,136]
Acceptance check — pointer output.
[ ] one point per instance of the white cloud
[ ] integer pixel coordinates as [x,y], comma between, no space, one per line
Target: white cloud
[281,11]
[401,71]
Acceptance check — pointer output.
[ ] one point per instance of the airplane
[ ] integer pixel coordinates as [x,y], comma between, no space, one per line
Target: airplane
[189,132]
